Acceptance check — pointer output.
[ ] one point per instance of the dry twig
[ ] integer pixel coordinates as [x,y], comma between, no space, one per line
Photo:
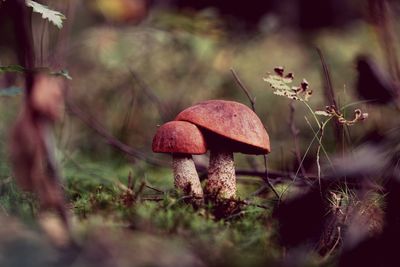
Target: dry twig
[295,134]
[330,95]
[252,102]
[110,139]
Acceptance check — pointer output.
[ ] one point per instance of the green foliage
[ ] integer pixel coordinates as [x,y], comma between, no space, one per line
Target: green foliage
[242,241]
[19,69]
[12,68]
[100,190]
[15,202]
[53,16]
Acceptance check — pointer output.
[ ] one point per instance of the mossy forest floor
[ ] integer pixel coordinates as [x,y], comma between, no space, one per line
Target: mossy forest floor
[124,216]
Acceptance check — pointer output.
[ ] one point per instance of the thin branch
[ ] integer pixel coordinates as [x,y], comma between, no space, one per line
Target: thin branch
[155,189]
[156,199]
[149,92]
[252,102]
[320,135]
[250,203]
[295,134]
[337,242]
[272,174]
[323,125]
[129,114]
[298,169]
[245,90]
[266,178]
[330,94]
[110,139]
[136,194]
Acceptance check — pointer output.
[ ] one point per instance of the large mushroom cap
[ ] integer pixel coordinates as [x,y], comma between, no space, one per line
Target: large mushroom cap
[179,137]
[232,121]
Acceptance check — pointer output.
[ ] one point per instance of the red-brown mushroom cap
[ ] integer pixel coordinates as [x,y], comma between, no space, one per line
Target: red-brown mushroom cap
[230,124]
[179,137]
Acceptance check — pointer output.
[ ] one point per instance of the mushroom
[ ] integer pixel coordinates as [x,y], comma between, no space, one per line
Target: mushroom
[228,127]
[182,139]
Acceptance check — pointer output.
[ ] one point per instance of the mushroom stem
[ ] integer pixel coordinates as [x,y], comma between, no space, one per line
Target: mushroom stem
[185,175]
[221,175]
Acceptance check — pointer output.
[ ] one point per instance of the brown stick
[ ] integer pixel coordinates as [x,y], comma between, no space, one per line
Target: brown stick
[245,90]
[110,139]
[252,102]
[330,96]
[295,134]
[149,92]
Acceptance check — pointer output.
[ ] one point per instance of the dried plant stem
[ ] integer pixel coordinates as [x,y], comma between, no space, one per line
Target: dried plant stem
[312,113]
[295,134]
[245,90]
[267,181]
[337,242]
[252,102]
[321,134]
[330,95]
[163,111]
[316,136]
[319,138]
[298,170]
[110,139]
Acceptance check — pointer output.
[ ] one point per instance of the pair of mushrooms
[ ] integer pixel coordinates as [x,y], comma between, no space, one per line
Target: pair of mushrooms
[223,127]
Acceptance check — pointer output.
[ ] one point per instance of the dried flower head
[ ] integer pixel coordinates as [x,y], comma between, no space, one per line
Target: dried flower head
[332,111]
[279,71]
[280,82]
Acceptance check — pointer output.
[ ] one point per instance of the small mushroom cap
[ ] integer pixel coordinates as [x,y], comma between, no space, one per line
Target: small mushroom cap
[229,125]
[179,137]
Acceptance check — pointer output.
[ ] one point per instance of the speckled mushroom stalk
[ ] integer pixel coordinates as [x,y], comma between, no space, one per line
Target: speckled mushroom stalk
[228,127]
[185,175]
[182,139]
[221,180]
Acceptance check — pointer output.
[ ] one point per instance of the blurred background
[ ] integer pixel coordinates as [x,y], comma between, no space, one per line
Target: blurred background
[135,64]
